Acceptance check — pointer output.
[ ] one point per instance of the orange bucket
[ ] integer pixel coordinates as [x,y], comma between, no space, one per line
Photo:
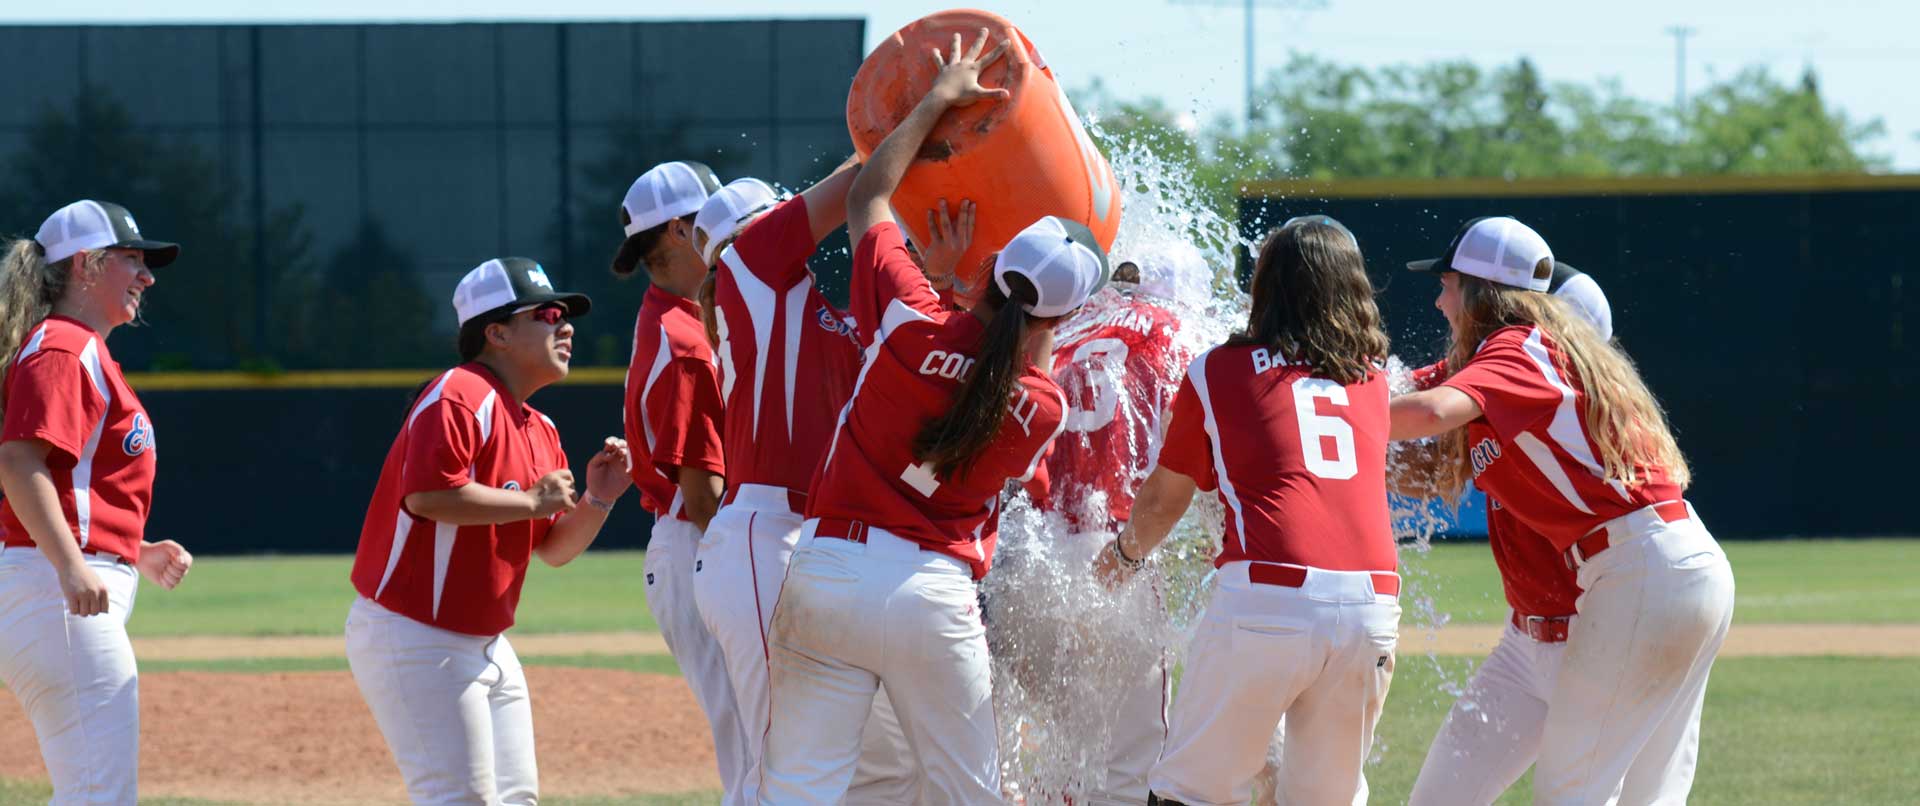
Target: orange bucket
[1018,159]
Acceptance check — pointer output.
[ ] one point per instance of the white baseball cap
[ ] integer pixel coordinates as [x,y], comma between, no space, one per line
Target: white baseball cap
[514,283]
[1060,258]
[1173,269]
[727,210]
[1580,291]
[665,192]
[89,224]
[1496,249]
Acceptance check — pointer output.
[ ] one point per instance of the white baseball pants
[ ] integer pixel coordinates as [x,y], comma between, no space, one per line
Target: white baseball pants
[1492,734]
[856,617]
[738,573]
[1623,724]
[1320,655]
[670,561]
[1140,723]
[453,707]
[75,676]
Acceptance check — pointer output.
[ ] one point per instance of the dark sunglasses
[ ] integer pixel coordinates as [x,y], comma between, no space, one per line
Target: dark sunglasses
[549,314]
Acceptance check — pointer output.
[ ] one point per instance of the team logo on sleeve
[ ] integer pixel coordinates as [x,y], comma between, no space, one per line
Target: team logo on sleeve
[139,437]
[833,323]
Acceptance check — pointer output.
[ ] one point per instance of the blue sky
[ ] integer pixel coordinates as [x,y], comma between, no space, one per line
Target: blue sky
[1191,53]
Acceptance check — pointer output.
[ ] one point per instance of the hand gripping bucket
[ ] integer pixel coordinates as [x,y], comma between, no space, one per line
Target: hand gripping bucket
[1018,159]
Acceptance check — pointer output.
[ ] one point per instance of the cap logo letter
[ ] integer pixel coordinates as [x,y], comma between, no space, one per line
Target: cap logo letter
[135,228]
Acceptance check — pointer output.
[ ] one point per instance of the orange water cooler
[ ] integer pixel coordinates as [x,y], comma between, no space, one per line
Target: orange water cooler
[1018,159]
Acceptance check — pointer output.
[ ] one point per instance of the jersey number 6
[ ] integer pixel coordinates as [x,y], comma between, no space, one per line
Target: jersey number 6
[1316,428]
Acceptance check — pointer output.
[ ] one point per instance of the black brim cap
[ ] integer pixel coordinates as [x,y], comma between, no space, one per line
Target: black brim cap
[509,284]
[92,224]
[158,253]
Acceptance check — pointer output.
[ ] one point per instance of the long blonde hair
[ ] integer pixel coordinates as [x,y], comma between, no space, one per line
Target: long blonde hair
[1627,424]
[29,286]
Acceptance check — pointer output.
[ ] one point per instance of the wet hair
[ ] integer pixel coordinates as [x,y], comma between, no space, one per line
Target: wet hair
[1629,428]
[955,439]
[709,310]
[29,287]
[1313,303]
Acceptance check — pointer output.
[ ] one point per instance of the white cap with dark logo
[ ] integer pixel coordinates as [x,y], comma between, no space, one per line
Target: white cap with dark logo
[92,224]
[512,283]
[1583,294]
[727,210]
[1060,258]
[1497,249]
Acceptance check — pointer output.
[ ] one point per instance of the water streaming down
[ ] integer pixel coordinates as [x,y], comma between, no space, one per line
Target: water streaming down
[1064,648]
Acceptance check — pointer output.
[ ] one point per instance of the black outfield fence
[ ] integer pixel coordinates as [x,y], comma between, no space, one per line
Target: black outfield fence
[1777,318]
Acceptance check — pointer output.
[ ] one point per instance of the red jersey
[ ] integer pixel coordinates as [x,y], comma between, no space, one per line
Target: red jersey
[1300,462]
[465,429]
[787,356]
[66,389]
[1530,447]
[920,353]
[674,405]
[1118,365]
[1533,574]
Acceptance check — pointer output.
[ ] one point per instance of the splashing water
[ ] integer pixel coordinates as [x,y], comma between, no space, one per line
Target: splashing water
[1065,650]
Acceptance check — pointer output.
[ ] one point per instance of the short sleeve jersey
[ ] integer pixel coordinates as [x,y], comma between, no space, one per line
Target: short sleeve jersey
[1531,449]
[1535,578]
[787,357]
[1119,365]
[466,428]
[920,353]
[64,388]
[674,407]
[1299,461]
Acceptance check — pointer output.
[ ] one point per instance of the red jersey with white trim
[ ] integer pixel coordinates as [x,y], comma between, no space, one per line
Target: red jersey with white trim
[787,356]
[1530,447]
[674,406]
[920,353]
[1299,461]
[465,429]
[1119,366]
[65,388]
[1533,574]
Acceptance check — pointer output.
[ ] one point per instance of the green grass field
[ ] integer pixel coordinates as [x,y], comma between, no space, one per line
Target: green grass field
[1776,731]
[1804,581]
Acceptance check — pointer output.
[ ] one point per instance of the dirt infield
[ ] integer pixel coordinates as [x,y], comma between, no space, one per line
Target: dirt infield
[238,647]
[306,737]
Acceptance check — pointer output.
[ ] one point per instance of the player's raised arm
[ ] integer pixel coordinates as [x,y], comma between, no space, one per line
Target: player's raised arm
[827,200]
[958,84]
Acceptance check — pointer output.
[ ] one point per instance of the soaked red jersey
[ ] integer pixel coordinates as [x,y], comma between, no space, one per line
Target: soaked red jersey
[920,353]
[465,429]
[1530,448]
[787,356]
[674,406]
[1118,364]
[1533,574]
[1300,462]
[65,388]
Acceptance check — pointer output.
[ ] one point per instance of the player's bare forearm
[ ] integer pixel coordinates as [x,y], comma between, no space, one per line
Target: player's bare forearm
[28,484]
[872,188]
[826,201]
[1162,499]
[572,535]
[1435,411]
[473,505]
[700,492]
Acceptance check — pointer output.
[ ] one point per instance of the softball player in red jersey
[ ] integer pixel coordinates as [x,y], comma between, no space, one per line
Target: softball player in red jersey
[949,406]
[1492,734]
[673,420]
[475,484]
[1119,365]
[1554,423]
[1289,423]
[76,464]
[787,359]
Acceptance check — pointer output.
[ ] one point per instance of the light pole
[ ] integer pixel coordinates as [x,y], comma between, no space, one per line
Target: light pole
[1295,5]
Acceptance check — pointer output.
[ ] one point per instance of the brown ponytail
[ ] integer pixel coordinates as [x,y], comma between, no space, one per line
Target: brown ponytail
[28,288]
[952,441]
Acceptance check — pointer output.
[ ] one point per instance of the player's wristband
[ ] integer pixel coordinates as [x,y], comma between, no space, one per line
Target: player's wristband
[1126,562]
[599,503]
